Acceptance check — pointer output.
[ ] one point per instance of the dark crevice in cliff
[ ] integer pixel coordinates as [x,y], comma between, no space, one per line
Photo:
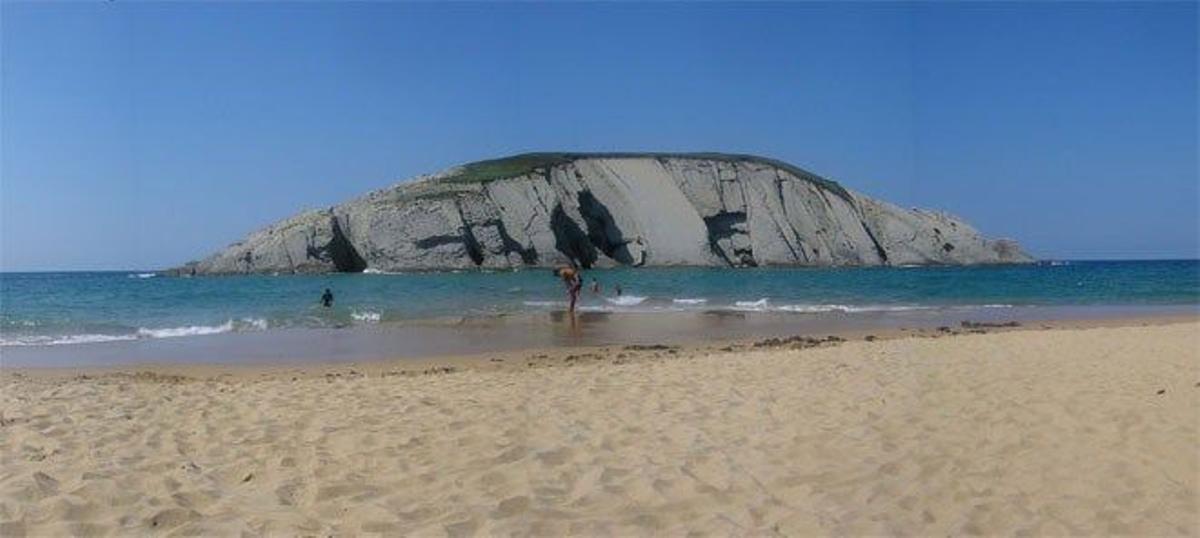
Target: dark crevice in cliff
[341,251]
[571,240]
[602,230]
[437,241]
[883,257]
[467,236]
[779,193]
[529,256]
[724,226]
[474,251]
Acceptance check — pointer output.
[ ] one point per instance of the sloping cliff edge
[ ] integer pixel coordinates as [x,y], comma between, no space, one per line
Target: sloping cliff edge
[603,210]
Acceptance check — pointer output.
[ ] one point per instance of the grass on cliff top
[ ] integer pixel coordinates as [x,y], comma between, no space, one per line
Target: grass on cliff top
[527,163]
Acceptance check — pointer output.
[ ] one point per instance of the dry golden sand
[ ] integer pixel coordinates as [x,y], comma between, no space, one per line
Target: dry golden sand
[1083,431]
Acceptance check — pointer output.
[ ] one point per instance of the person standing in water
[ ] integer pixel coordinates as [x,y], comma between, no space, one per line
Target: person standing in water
[595,287]
[573,281]
[327,298]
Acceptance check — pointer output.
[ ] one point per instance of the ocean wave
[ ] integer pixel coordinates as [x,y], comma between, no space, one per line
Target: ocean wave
[257,324]
[240,325]
[366,316]
[543,304]
[626,300]
[689,301]
[142,275]
[58,340]
[760,304]
[818,308]
[141,333]
[189,330]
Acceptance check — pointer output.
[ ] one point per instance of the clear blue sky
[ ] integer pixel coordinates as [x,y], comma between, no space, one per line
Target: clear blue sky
[144,135]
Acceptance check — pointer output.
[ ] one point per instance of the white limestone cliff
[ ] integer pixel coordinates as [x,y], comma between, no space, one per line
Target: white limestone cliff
[599,210]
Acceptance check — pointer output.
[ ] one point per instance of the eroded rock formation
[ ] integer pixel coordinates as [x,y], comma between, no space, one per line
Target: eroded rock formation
[600,210]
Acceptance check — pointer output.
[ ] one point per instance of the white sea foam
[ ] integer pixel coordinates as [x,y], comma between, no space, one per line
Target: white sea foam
[366,316]
[190,330]
[44,340]
[817,308]
[544,304]
[809,308]
[142,275]
[255,323]
[760,304]
[689,301]
[626,300]
[243,324]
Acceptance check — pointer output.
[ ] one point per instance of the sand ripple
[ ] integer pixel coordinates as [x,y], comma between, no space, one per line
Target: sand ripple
[1039,432]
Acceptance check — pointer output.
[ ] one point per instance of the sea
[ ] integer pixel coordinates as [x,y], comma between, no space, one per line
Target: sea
[84,311]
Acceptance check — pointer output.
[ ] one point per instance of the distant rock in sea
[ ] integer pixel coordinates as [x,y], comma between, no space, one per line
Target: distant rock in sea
[605,210]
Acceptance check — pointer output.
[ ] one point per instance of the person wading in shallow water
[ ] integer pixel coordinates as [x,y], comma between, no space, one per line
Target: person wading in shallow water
[327,298]
[574,282]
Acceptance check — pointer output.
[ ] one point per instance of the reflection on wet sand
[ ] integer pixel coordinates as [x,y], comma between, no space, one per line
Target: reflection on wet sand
[474,335]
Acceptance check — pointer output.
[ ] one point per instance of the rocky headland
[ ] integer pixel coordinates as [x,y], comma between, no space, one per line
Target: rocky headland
[604,210]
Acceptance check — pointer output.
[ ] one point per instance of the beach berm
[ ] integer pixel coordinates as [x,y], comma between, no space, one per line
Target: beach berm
[1023,431]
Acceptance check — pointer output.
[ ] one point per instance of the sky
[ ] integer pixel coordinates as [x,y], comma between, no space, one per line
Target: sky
[140,136]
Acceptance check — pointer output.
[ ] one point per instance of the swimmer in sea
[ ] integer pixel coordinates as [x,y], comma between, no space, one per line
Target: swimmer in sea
[595,287]
[573,281]
[327,298]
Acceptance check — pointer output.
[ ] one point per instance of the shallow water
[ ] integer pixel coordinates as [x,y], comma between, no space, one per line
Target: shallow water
[76,309]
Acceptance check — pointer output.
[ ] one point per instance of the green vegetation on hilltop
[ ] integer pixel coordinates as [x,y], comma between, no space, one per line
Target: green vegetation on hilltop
[507,167]
[527,163]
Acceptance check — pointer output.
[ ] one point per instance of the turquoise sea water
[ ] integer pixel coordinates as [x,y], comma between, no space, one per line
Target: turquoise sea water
[41,309]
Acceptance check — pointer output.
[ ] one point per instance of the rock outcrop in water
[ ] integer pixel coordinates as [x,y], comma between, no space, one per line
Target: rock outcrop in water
[600,210]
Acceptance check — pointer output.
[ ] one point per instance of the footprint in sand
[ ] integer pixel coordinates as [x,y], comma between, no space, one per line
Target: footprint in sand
[511,506]
[556,457]
[171,518]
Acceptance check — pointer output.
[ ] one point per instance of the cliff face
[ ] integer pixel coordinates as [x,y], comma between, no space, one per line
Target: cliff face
[600,210]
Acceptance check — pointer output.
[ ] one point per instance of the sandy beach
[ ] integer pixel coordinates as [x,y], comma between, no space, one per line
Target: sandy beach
[1026,431]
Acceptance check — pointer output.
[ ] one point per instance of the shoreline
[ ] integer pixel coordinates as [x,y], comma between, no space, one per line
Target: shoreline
[566,355]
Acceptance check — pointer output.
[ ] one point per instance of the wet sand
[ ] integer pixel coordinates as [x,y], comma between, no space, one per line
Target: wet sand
[1081,428]
[457,337]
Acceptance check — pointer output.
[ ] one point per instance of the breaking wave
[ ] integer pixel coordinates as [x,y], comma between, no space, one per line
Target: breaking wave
[188,330]
[45,340]
[141,333]
[817,308]
[760,304]
[366,316]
